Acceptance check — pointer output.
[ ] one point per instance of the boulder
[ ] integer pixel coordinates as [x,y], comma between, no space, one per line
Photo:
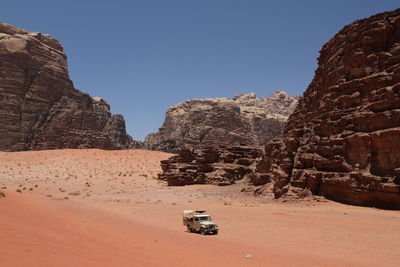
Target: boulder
[220,165]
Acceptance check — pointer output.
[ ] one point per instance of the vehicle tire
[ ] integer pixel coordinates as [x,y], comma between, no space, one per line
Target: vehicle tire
[202,231]
[216,232]
[189,229]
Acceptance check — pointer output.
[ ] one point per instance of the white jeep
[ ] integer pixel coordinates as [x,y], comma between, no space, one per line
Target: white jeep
[198,221]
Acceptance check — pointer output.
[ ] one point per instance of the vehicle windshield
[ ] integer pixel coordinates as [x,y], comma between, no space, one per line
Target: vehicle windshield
[204,218]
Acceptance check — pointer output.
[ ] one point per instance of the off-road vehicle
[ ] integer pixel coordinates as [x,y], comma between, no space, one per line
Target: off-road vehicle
[198,221]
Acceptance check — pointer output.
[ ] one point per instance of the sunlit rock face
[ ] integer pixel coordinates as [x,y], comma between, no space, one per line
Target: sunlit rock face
[343,140]
[244,119]
[39,106]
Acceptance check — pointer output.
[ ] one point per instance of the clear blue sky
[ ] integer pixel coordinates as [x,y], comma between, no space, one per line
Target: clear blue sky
[144,56]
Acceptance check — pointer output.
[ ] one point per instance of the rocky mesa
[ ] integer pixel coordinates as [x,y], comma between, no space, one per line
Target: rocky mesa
[343,140]
[244,119]
[39,106]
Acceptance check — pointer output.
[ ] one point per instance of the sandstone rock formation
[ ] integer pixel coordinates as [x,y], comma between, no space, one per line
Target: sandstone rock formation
[221,165]
[245,119]
[39,106]
[343,140]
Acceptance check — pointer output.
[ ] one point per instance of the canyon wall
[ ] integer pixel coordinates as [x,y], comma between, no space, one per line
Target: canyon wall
[39,106]
[343,139]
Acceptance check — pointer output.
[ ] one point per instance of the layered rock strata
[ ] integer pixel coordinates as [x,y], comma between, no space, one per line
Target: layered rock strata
[245,119]
[343,140]
[220,165]
[39,106]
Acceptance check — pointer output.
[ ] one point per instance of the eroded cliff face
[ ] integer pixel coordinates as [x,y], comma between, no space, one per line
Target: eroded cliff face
[219,165]
[245,119]
[39,106]
[343,140]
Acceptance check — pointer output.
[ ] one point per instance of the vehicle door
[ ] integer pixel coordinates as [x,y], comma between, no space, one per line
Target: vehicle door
[196,224]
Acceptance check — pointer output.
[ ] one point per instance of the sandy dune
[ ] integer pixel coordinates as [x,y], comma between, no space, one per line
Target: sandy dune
[104,208]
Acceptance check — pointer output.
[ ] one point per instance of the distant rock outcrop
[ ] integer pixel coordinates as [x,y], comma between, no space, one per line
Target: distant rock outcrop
[39,106]
[220,165]
[343,140]
[245,119]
